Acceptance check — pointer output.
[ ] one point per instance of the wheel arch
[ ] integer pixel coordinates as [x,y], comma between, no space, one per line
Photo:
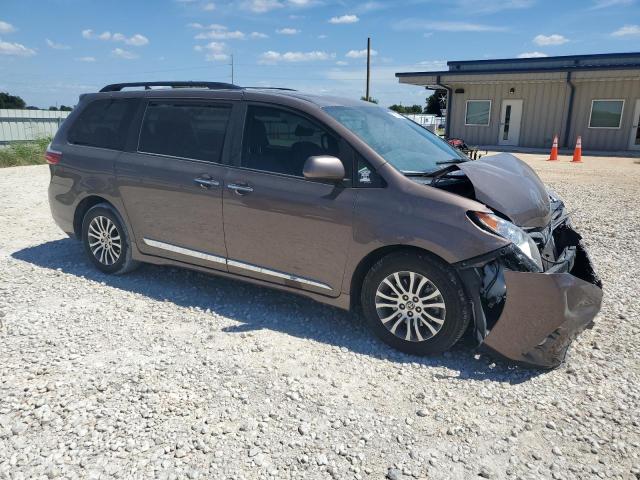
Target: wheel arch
[83,207]
[371,258]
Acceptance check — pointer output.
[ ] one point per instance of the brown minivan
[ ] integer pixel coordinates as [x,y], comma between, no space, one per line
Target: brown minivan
[343,201]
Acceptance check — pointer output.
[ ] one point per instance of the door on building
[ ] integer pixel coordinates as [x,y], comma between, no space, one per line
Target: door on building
[634,139]
[510,117]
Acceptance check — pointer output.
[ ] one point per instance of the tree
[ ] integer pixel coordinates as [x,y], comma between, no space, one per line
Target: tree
[371,99]
[64,108]
[413,109]
[53,109]
[11,101]
[436,102]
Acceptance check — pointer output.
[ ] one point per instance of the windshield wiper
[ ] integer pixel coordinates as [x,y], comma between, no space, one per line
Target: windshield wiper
[452,161]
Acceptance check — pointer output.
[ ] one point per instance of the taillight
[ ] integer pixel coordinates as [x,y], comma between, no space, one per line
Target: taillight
[52,156]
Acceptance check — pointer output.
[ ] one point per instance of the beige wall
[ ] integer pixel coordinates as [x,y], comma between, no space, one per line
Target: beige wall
[544,106]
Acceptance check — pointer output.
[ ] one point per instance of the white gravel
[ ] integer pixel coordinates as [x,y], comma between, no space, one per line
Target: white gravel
[167,373]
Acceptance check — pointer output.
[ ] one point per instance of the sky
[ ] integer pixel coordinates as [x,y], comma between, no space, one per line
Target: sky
[51,51]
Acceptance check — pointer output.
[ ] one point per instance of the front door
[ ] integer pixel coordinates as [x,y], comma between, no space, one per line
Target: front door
[172,186]
[280,227]
[634,140]
[510,118]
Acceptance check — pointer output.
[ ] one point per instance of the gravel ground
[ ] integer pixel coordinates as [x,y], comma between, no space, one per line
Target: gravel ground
[167,373]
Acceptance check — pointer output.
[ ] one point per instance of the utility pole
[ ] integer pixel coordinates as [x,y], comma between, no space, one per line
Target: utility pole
[231,68]
[368,66]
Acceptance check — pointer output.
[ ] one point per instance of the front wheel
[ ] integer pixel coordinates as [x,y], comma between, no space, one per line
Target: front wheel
[415,303]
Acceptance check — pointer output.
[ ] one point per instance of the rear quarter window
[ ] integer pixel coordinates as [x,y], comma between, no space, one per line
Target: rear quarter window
[103,123]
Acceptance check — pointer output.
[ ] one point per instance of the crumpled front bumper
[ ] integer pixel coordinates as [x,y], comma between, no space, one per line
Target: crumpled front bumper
[539,314]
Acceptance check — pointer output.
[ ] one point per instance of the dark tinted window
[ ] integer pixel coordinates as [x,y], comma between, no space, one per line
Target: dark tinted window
[103,123]
[280,141]
[185,130]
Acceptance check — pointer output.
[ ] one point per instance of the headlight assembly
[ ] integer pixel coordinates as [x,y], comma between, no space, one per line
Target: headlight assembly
[511,232]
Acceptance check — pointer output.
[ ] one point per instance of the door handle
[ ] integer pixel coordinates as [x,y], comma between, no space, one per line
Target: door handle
[206,182]
[240,189]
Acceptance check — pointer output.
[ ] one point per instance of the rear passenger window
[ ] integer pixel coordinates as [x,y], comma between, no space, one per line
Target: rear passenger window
[194,131]
[103,123]
[280,141]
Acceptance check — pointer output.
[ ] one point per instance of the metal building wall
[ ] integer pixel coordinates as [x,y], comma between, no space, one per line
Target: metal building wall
[24,125]
[612,139]
[544,107]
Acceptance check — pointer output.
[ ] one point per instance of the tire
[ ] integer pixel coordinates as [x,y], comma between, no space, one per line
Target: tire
[441,288]
[113,252]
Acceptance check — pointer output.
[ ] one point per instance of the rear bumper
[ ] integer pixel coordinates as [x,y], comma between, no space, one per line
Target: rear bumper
[531,318]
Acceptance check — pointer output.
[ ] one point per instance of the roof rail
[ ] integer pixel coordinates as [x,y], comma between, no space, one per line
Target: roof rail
[271,88]
[116,87]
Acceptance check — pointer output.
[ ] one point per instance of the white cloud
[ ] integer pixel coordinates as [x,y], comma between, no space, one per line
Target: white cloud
[447,26]
[598,4]
[196,25]
[492,6]
[86,59]
[532,55]
[56,46]
[554,39]
[209,7]
[287,31]
[220,35]
[136,40]
[6,27]
[627,30]
[342,63]
[344,19]
[360,53]
[261,6]
[214,51]
[322,36]
[258,35]
[272,57]
[15,49]
[125,54]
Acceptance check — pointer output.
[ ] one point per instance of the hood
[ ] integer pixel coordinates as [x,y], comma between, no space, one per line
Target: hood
[510,186]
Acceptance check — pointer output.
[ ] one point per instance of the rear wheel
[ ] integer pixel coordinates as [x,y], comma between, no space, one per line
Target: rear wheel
[415,303]
[106,240]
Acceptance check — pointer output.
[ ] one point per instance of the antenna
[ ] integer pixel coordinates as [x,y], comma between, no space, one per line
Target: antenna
[368,67]
[231,68]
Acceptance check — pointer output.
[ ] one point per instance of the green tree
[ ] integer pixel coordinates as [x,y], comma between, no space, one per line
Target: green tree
[436,102]
[11,101]
[64,108]
[53,109]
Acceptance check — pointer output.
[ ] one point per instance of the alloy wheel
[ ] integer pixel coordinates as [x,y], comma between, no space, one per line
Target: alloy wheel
[104,240]
[410,306]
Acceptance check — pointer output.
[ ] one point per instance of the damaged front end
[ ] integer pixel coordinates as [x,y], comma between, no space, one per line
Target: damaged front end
[527,312]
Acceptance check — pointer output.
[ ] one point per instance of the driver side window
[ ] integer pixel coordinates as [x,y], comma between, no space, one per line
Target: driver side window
[279,141]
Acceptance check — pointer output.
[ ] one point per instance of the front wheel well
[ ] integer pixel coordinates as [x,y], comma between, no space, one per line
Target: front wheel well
[371,258]
[82,208]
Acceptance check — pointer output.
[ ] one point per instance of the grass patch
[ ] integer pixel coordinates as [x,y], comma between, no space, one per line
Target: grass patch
[24,153]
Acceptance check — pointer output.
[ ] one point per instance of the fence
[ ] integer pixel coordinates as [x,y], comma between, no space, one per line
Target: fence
[26,125]
[430,122]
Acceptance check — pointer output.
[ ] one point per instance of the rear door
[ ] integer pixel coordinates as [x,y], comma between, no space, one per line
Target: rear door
[280,227]
[172,185]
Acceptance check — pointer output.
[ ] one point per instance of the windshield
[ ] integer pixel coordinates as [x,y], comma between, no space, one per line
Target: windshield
[403,143]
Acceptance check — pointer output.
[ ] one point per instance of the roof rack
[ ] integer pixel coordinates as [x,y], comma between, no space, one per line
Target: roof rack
[271,88]
[116,87]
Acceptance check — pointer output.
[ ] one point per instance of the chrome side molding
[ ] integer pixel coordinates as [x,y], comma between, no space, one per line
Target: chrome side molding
[185,251]
[234,263]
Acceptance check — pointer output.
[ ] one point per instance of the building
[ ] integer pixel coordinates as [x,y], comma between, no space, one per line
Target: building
[26,125]
[524,102]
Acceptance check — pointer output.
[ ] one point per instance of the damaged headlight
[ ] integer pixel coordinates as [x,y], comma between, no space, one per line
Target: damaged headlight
[553,196]
[508,230]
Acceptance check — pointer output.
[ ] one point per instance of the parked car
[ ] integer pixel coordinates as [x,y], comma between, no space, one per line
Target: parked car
[343,201]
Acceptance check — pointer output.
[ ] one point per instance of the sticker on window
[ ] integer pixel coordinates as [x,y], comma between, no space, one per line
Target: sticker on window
[364,175]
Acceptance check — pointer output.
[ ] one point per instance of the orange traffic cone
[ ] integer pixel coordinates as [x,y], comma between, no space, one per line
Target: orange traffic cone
[577,153]
[554,150]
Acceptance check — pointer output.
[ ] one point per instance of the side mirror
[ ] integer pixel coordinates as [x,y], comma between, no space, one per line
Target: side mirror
[324,167]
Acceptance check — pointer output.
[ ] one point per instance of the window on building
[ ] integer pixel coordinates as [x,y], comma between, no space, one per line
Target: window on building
[478,112]
[606,113]
[194,131]
[280,141]
[103,124]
